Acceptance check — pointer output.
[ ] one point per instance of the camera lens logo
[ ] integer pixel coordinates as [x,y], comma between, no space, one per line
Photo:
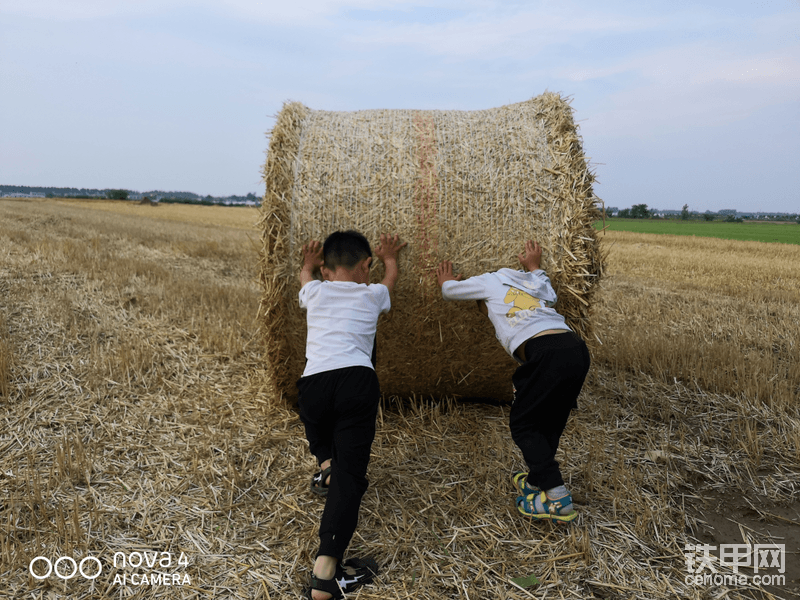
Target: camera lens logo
[68,570]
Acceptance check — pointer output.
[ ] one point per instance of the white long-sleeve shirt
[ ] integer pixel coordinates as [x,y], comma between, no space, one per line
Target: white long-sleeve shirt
[519,303]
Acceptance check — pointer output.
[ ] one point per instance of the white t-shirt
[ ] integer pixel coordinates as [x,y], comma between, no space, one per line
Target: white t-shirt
[342,320]
[519,303]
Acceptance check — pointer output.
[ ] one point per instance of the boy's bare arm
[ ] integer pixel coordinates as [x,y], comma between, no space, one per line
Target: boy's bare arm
[531,258]
[387,250]
[312,260]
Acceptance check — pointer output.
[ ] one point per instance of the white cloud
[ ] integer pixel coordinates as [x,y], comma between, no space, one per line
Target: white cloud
[488,34]
[298,13]
[781,69]
[698,85]
[77,10]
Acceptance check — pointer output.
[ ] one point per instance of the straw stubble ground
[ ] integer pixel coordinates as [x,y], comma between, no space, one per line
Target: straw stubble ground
[136,417]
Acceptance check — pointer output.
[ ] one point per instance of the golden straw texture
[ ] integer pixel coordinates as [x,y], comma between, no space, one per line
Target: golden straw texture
[465,186]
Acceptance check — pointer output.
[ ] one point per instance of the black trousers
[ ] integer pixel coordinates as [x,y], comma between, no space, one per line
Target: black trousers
[546,390]
[338,409]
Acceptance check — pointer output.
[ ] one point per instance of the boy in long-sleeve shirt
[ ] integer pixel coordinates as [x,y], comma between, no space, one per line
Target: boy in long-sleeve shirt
[553,363]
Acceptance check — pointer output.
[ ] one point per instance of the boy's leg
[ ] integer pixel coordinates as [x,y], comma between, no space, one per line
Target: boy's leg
[356,398]
[538,442]
[315,403]
[547,387]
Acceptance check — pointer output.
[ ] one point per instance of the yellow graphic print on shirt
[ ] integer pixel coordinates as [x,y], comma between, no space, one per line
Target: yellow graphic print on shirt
[522,301]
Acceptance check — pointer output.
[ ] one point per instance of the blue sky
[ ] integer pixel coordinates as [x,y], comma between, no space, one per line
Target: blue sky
[677,102]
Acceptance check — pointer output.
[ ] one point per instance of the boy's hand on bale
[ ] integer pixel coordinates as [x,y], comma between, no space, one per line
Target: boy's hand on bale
[312,260]
[389,247]
[531,259]
[312,255]
[444,272]
[387,251]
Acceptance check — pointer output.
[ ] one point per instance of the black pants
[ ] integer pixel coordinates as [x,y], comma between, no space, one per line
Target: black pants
[338,409]
[547,388]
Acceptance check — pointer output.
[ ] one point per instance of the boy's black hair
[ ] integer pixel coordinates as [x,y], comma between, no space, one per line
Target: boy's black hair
[345,249]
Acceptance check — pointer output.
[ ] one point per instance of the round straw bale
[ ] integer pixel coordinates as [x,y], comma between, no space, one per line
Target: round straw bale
[464,186]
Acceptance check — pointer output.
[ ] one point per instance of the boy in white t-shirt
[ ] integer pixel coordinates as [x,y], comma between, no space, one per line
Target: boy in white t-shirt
[339,392]
[553,363]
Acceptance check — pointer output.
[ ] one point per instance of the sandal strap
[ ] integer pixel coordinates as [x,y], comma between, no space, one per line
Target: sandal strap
[552,506]
[329,586]
[355,572]
[364,569]
[323,475]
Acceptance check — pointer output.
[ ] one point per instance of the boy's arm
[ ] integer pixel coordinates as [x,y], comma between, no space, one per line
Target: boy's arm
[531,258]
[444,272]
[312,260]
[455,289]
[387,251]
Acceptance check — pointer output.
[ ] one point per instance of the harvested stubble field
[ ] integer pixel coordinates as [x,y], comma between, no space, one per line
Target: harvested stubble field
[137,417]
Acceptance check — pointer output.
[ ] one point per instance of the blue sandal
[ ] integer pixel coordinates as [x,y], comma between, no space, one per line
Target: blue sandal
[520,480]
[539,506]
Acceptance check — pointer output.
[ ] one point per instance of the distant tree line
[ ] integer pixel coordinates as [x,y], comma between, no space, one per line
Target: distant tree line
[637,211]
[121,194]
[198,201]
[211,201]
[728,215]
